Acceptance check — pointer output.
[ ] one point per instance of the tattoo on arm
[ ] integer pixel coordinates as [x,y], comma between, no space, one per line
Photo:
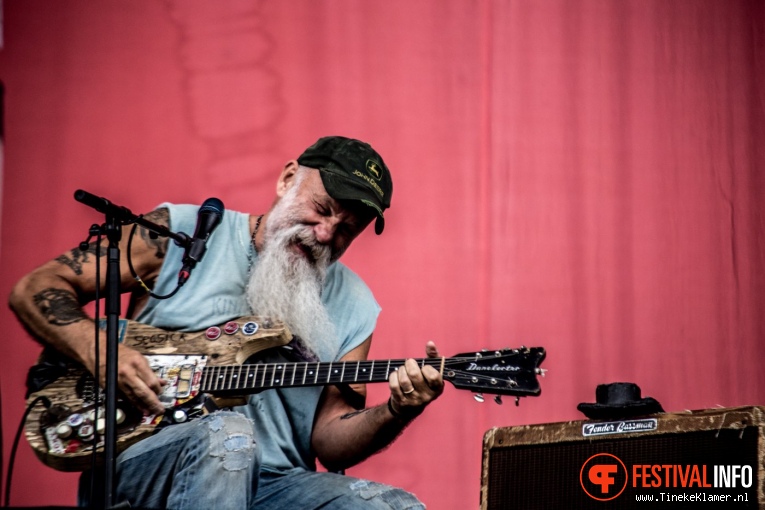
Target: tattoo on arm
[59,307]
[354,413]
[79,257]
[160,217]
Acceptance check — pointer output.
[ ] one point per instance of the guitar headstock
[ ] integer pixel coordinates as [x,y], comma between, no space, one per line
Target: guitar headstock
[502,372]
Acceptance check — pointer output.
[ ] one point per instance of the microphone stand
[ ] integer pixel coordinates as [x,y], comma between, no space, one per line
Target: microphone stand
[115,217]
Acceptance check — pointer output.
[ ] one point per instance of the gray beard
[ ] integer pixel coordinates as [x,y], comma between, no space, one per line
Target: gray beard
[286,286]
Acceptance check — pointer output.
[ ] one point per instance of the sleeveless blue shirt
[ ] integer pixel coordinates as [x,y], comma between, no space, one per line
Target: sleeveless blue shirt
[215,293]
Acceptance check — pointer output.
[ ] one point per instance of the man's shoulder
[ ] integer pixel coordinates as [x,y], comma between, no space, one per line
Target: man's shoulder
[343,282]
[344,275]
[183,208]
[351,305]
[181,214]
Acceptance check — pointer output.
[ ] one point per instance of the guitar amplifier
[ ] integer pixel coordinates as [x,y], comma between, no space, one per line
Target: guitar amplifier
[714,456]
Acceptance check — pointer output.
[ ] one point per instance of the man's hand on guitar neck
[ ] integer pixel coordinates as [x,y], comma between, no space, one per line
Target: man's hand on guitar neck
[412,388]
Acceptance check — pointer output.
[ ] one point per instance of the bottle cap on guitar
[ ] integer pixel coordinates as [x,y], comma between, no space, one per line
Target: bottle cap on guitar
[212,333]
[619,400]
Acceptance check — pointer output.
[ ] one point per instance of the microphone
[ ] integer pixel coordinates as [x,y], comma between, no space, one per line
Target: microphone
[208,218]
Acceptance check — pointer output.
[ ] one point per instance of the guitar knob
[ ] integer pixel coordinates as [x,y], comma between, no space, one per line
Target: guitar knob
[100,426]
[180,416]
[85,432]
[91,415]
[120,416]
[478,397]
[498,399]
[75,420]
[64,431]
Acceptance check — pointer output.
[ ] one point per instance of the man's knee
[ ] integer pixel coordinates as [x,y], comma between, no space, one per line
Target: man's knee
[232,439]
[384,497]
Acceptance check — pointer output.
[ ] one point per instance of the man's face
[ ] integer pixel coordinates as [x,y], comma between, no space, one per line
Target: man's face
[328,224]
[305,231]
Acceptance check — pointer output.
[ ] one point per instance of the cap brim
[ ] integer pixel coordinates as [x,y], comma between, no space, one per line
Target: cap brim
[379,225]
[342,188]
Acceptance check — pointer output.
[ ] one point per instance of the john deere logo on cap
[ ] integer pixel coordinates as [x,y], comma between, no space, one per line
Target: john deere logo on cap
[373,167]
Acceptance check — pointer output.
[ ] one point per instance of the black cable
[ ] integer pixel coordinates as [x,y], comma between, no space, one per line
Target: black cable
[135,273]
[46,403]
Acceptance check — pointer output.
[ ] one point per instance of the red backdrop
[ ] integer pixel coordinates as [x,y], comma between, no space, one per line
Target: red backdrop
[585,176]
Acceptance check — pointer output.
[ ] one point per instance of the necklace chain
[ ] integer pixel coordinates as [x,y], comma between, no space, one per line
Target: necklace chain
[255,231]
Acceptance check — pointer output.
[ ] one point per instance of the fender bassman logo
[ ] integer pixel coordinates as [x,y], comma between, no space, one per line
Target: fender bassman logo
[618,427]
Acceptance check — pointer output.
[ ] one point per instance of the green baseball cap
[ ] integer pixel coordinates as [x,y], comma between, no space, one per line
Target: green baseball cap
[351,170]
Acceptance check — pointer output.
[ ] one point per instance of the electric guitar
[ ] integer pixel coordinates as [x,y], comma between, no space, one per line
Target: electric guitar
[67,421]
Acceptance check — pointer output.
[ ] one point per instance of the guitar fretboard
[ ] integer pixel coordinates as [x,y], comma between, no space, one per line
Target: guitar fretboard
[225,378]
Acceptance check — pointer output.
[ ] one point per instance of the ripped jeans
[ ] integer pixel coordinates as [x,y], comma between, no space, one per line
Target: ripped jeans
[214,462]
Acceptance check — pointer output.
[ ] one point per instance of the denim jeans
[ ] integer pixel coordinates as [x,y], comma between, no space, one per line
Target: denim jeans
[312,490]
[214,462]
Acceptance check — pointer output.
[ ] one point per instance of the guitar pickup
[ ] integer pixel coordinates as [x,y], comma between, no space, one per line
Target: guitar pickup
[183,386]
[182,373]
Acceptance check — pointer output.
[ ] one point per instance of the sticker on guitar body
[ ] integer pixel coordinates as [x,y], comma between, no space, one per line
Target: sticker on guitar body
[70,430]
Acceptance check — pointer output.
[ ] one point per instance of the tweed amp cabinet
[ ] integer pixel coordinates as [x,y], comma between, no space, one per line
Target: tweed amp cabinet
[708,458]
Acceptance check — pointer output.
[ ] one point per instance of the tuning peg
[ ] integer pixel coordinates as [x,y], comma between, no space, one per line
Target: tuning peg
[478,397]
[541,371]
[498,399]
[517,401]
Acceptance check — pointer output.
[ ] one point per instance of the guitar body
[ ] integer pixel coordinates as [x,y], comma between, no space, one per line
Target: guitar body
[63,434]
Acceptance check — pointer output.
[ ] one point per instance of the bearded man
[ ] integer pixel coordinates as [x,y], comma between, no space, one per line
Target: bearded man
[282,264]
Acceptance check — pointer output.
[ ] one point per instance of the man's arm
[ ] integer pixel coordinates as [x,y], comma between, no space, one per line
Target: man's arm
[344,435]
[49,303]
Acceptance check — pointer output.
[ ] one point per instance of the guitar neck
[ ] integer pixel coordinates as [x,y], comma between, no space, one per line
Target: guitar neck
[262,376]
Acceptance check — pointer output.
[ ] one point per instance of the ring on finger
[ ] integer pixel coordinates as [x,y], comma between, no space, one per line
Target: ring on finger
[408,392]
